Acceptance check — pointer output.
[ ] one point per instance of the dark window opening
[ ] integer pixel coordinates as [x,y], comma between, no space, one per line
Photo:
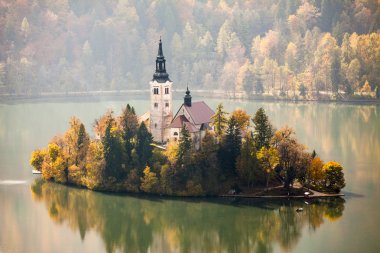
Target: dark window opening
[155,105]
[166,90]
[175,134]
[166,104]
[155,90]
[155,125]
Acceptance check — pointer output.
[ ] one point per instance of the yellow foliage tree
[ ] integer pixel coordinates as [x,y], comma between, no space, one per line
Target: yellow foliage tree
[171,152]
[366,87]
[37,158]
[269,159]
[242,119]
[149,182]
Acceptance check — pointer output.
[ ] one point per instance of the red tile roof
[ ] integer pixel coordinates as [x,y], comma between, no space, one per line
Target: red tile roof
[190,127]
[200,112]
[178,122]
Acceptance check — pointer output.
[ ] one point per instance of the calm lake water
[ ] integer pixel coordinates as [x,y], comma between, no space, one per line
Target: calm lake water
[46,217]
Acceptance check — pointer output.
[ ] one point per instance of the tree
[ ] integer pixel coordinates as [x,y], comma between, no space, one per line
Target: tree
[184,146]
[294,161]
[143,146]
[263,130]
[112,153]
[149,183]
[247,163]
[333,176]
[230,148]
[269,159]
[219,121]
[129,125]
[302,89]
[242,119]
[95,165]
[37,159]
[377,92]
[366,87]
[315,173]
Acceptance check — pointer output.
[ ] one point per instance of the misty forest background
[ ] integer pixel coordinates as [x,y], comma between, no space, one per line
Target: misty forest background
[237,46]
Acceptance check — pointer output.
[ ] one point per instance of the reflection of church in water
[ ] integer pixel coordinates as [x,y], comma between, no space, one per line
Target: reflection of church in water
[195,116]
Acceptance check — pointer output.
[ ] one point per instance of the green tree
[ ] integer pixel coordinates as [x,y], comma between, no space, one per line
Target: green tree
[333,177]
[263,130]
[143,146]
[129,127]
[112,153]
[184,146]
[219,121]
[302,89]
[230,148]
[247,163]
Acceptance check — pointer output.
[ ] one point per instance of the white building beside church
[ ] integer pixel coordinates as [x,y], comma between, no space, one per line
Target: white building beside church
[195,116]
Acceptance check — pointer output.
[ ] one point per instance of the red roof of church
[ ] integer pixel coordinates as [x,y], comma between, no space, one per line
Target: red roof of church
[200,112]
[178,122]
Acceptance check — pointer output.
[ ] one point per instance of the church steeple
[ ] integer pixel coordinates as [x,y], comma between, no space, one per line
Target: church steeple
[187,98]
[160,75]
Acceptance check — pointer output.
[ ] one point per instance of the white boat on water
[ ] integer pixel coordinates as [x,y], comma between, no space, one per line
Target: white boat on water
[36,172]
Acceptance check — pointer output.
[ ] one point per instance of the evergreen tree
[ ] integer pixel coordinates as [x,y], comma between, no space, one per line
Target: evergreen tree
[219,121]
[129,126]
[247,163]
[230,148]
[143,146]
[263,129]
[184,146]
[112,153]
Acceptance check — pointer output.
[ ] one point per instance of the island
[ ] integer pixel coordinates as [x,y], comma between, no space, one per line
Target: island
[238,155]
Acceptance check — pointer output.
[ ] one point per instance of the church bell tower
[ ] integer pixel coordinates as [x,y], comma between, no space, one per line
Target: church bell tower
[161,98]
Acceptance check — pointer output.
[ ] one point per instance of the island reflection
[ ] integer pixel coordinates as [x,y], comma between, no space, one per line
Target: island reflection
[131,224]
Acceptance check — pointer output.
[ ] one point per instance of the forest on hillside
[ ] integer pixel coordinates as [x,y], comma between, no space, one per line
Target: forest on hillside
[251,47]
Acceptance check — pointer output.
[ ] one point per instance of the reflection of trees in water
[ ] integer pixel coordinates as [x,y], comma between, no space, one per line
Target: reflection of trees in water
[135,225]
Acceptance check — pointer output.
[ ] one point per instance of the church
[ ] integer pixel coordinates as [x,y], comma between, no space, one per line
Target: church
[164,127]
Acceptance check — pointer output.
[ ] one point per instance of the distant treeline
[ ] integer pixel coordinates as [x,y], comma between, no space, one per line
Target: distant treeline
[249,47]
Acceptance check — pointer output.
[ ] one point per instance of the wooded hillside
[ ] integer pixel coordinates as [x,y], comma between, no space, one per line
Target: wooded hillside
[251,46]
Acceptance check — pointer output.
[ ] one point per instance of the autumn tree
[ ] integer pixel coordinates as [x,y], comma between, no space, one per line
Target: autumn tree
[242,119]
[268,158]
[293,159]
[149,182]
[37,159]
[333,176]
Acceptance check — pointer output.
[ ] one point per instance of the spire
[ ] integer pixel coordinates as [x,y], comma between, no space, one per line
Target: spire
[187,98]
[160,53]
[160,75]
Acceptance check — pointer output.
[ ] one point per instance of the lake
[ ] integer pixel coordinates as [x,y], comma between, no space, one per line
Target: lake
[37,216]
